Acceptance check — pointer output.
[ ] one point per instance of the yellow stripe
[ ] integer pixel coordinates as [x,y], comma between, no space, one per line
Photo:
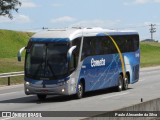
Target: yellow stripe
[120,54]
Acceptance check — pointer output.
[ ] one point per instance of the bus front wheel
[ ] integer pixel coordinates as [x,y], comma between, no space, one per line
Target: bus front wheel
[41,97]
[80,91]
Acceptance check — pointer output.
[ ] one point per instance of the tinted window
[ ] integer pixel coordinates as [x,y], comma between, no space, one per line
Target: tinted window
[108,46]
[97,46]
[127,43]
[46,60]
[87,46]
[100,45]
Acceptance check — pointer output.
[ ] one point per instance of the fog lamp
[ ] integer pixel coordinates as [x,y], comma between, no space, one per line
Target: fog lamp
[63,90]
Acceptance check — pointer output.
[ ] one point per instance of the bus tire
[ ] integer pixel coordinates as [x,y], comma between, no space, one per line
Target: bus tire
[120,83]
[41,97]
[80,91]
[125,83]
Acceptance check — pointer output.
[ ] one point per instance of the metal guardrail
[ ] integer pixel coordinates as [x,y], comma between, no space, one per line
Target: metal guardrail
[11,74]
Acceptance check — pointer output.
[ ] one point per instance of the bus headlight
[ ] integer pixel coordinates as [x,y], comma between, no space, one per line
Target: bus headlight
[27,83]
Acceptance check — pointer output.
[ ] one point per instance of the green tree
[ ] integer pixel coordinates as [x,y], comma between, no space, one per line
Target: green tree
[6,7]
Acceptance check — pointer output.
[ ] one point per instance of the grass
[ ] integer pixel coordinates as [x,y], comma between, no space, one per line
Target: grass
[150,54]
[11,65]
[10,43]
[13,80]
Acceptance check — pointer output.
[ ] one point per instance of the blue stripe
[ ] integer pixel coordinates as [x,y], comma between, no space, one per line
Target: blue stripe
[117,33]
[58,40]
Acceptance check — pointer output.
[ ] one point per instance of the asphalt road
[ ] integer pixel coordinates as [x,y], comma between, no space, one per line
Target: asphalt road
[13,98]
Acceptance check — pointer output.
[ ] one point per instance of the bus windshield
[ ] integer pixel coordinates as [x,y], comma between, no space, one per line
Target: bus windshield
[46,61]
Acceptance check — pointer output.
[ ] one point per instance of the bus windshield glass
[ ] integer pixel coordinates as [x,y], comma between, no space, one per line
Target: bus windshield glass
[46,60]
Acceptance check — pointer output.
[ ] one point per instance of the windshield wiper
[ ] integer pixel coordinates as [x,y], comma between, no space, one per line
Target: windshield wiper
[38,68]
[51,70]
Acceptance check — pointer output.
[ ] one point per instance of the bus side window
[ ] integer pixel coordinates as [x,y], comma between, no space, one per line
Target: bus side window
[136,42]
[97,46]
[106,44]
[112,47]
[86,49]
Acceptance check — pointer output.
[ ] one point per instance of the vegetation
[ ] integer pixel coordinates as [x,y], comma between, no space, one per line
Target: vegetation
[10,65]
[10,43]
[150,54]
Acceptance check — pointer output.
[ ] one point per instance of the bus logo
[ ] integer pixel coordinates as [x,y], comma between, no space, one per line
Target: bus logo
[98,63]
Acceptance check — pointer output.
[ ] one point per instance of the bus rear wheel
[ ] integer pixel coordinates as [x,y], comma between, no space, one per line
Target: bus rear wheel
[120,83]
[80,91]
[41,97]
[125,83]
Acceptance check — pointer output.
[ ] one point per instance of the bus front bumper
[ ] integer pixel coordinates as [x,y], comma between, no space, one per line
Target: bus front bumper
[46,89]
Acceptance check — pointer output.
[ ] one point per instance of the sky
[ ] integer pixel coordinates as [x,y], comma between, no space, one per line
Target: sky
[134,15]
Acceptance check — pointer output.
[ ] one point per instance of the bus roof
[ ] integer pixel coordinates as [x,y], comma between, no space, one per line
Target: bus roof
[73,33]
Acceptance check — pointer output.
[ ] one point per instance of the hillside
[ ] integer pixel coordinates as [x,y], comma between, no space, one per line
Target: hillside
[11,42]
[150,54]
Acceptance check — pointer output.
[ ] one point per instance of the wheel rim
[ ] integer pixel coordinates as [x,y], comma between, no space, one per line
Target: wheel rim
[120,83]
[126,83]
[80,90]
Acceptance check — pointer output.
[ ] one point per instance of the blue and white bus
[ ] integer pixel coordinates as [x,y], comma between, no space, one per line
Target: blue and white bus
[78,60]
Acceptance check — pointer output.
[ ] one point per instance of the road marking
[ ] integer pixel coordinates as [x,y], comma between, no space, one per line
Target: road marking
[11,93]
[7,118]
[12,86]
[114,95]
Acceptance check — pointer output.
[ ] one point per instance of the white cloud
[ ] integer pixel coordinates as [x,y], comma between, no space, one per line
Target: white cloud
[16,19]
[157,1]
[63,19]
[57,5]
[140,2]
[149,23]
[28,4]
[97,23]
[126,3]
[22,19]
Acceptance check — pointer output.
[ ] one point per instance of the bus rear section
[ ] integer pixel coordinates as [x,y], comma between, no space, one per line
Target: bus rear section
[101,64]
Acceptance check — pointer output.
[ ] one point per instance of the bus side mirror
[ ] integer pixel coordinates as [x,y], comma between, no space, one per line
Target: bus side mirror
[70,58]
[19,53]
[70,51]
